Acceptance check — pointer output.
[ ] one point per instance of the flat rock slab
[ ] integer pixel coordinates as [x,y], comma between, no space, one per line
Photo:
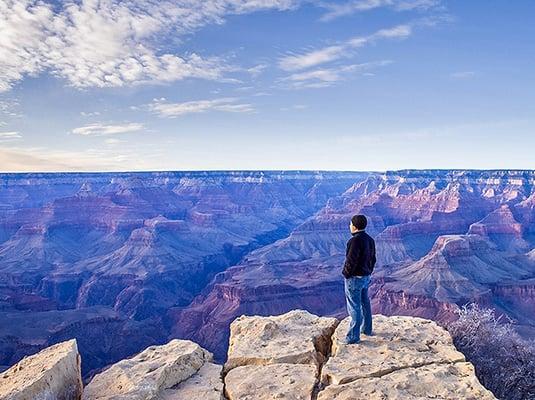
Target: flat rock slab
[297,337]
[205,384]
[436,381]
[273,381]
[52,374]
[150,373]
[398,342]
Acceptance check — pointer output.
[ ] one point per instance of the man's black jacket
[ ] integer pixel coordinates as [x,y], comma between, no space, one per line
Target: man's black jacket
[360,255]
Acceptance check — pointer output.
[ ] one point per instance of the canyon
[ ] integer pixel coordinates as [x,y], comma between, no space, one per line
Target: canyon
[123,261]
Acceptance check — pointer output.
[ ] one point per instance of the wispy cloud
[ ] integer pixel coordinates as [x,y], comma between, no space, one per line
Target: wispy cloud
[339,9]
[111,43]
[256,70]
[172,110]
[9,136]
[295,62]
[463,75]
[325,77]
[9,108]
[107,129]
[312,58]
[89,113]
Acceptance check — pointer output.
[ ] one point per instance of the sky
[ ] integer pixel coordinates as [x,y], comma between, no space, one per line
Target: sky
[129,85]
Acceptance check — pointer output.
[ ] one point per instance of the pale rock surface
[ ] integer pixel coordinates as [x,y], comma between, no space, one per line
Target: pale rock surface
[297,337]
[398,342]
[52,374]
[205,384]
[294,356]
[434,381]
[148,374]
[407,358]
[273,381]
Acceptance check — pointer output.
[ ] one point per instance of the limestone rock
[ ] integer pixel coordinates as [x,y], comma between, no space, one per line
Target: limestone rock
[435,381]
[148,374]
[398,342]
[294,356]
[297,337]
[285,357]
[274,381]
[51,374]
[205,384]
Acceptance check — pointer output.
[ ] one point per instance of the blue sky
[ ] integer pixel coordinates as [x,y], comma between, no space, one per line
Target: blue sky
[266,84]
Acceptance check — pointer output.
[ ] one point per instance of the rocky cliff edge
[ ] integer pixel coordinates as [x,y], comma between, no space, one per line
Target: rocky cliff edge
[294,356]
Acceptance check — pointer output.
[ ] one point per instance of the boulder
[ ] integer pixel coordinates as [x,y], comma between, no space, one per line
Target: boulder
[52,374]
[398,342]
[297,337]
[152,372]
[288,357]
[433,381]
[274,381]
[205,384]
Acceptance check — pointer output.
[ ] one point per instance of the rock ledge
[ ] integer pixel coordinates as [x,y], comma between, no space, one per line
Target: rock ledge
[293,356]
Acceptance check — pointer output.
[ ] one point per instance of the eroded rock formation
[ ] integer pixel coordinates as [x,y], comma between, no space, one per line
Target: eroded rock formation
[52,374]
[406,358]
[296,337]
[178,370]
[123,261]
[135,245]
[443,239]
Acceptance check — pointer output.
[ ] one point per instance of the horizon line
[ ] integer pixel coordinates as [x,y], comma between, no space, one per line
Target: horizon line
[2,173]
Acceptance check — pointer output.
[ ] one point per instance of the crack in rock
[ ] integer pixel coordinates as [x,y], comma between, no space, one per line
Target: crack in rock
[326,350]
[393,363]
[278,356]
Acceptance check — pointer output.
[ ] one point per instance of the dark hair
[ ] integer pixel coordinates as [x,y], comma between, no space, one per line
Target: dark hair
[359,221]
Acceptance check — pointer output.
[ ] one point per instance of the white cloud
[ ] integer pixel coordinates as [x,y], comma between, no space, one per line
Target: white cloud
[240,89]
[397,32]
[325,77]
[89,113]
[295,62]
[112,43]
[105,130]
[172,110]
[337,9]
[312,58]
[7,136]
[103,43]
[256,70]
[10,107]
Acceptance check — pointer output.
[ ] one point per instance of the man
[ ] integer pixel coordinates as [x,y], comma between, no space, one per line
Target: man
[358,266]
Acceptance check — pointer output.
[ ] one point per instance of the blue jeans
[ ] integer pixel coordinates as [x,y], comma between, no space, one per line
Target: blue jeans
[358,305]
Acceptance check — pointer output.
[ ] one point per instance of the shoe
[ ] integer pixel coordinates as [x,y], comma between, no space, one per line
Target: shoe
[367,334]
[345,341]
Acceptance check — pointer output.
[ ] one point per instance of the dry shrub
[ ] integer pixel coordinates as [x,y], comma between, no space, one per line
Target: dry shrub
[504,362]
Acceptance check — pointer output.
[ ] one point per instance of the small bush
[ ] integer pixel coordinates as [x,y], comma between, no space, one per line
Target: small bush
[504,362]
